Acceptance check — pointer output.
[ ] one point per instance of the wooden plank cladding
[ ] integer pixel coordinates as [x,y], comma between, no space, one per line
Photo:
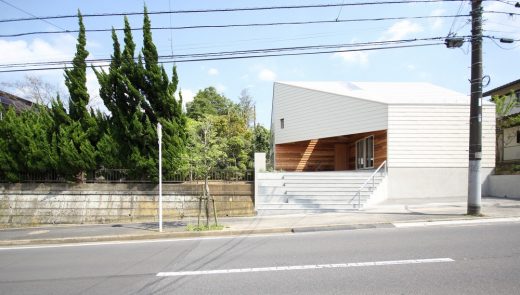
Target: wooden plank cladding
[328,154]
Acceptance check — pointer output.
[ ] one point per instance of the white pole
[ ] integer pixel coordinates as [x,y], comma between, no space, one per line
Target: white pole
[159,135]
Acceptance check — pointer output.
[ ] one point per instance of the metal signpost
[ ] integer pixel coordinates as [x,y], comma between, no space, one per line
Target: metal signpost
[159,135]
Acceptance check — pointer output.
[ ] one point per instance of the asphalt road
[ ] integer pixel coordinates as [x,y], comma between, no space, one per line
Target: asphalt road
[469,259]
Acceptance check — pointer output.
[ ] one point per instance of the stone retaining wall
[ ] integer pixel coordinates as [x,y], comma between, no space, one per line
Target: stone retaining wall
[34,204]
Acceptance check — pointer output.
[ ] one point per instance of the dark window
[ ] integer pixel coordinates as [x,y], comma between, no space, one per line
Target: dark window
[282,124]
[517,94]
[517,136]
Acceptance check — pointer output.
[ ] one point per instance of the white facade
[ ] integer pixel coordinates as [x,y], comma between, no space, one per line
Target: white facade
[427,129]
[310,114]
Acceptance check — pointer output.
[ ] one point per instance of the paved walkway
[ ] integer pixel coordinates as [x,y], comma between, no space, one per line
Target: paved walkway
[385,214]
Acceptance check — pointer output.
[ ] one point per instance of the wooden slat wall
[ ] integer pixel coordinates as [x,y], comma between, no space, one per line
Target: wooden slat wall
[319,154]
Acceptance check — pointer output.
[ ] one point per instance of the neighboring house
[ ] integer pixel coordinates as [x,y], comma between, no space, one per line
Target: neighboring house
[419,129]
[7,100]
[508,142]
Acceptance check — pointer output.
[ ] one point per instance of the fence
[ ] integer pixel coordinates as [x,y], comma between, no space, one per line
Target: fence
[129,176]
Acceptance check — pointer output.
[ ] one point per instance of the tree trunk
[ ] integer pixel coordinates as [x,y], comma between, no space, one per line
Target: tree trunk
[206,199]
[212,203]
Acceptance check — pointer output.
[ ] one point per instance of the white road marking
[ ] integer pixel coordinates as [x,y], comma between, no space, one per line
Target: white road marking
[302,267]
[456,222]
[38,232]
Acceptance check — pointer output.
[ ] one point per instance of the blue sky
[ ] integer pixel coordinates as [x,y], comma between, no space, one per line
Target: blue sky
[437,64]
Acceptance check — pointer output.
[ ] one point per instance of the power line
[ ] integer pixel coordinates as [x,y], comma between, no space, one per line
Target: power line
[243,25]
[229,9]
[455,20]
[34,16]
[269,52]
[249,51]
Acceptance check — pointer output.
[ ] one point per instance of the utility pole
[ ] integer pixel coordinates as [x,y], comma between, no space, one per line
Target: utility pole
[159,136]
[475,121]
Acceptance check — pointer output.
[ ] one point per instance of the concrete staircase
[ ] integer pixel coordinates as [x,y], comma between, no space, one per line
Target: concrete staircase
[313,192]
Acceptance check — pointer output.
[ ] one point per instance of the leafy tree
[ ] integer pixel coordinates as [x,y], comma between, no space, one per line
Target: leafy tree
[262,142]
[208,151]
[9,146]
[77,155]
[247,107]
[504,104]
[26,146]
[208,102]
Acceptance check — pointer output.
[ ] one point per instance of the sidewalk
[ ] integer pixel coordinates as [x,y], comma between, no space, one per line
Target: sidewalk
[383,215]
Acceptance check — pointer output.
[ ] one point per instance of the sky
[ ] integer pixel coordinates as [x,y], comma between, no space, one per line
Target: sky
[449,68]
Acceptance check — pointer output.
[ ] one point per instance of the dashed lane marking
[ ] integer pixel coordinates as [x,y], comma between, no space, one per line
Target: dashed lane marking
[302,267]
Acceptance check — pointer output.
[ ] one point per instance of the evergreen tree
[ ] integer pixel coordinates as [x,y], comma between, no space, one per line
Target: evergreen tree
[76,140]
[139,94]
[9,147]
[76,79]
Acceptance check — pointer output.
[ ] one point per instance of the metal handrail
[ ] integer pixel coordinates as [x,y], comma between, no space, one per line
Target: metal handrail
[372,177]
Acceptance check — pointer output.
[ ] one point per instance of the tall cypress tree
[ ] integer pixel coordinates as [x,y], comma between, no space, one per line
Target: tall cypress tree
[139,94]
[76,140]
[76,78]
[159,92]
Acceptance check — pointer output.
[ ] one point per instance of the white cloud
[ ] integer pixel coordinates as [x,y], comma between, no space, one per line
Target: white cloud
[213,72]
[401,30]
[57,49]
[437,23]
[411,67]
[266,75]
[353,57]
[220,87]
[187,96]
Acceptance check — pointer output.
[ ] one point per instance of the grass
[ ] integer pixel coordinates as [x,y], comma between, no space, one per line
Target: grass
[507,169]
[193,227]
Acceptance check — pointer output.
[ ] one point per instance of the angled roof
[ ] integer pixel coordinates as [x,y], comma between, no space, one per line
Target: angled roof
[8,99]
[504,88]
[387,92]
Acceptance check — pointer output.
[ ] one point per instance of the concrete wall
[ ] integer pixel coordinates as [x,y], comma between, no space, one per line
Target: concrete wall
[504,186]
[432,182]
[33,204]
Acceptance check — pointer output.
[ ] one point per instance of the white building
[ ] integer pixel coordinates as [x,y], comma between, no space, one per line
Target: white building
[419,129]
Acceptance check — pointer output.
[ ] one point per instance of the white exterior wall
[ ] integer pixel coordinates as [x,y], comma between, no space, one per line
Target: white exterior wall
[436,136]
[511,146]
[428,150]
[310,114]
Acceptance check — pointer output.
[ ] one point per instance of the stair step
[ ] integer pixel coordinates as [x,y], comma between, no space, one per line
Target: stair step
[272,212]
[322,193]
[326,201]
[291,206]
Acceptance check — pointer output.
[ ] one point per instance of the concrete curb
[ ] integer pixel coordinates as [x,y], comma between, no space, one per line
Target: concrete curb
[154,236]
[341,227]
[226,233]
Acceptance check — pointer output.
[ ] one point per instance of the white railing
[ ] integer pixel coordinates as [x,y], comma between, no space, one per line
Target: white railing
[382,169]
